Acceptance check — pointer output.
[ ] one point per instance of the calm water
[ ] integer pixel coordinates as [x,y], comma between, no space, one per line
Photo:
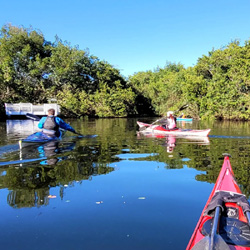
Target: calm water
[119,190]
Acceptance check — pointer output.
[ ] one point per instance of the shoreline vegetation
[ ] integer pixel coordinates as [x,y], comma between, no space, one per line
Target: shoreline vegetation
[35,70]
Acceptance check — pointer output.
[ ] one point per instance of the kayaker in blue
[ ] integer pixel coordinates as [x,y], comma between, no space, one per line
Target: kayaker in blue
[51,124]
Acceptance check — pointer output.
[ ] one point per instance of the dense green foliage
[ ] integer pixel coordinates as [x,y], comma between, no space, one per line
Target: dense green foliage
[216,87]
[35,70]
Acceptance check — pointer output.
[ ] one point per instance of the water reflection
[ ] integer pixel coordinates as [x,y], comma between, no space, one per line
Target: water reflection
[104,179]
[51,149]
[170,141]
[129,156]
[21,127]
[28,198]
[30,184]
[46,153]
[30,173]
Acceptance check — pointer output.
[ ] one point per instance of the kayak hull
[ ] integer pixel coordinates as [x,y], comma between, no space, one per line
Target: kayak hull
[184,119]
[225,184]
[157,129]
[39,138]
[200,140]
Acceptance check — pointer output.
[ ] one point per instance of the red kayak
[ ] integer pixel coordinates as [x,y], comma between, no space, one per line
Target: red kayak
[158,129]
[224,222]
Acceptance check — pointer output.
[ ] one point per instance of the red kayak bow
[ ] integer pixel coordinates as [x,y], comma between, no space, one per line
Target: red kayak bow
[224,222]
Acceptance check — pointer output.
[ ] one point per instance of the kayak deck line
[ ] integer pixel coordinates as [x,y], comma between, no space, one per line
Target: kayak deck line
[233,231]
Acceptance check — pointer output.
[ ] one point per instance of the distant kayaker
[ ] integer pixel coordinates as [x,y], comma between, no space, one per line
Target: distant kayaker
[171,120]
[182,116]
[51,124]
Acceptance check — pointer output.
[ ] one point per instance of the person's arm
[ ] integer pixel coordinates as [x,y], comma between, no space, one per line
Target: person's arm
[41,122]
[64,125]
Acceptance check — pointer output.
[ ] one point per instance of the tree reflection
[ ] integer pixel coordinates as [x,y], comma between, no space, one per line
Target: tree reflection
[68,162]
[30,185]
[28,198]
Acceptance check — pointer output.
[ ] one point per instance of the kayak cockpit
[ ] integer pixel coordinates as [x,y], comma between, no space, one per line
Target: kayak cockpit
[225,220]
[232,231]
[233,225]
[40,137]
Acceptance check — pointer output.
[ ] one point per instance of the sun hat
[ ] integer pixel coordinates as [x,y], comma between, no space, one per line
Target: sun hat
[170,113]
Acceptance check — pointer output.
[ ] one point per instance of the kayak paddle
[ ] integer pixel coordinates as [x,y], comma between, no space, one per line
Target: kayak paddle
[79,135]
[181,108]
[213,240]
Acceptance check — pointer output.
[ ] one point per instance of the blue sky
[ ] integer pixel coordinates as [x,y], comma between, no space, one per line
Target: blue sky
[136,35]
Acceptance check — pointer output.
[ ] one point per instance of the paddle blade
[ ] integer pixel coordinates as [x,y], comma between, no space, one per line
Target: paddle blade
[86,136]
[89,136]
[143,128]
[33,117]
[206,244]
[183,107]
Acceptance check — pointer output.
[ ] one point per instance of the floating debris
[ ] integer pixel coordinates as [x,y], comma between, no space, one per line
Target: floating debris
[141,198]
[52,196]
[99,202]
